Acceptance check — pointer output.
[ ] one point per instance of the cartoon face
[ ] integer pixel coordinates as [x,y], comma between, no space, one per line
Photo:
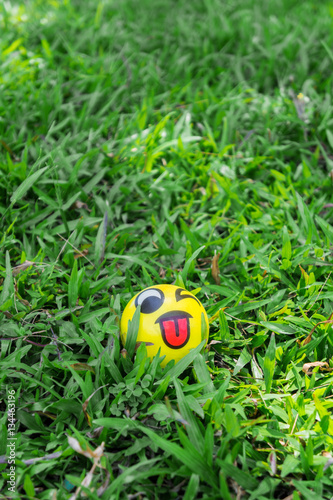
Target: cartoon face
[171,318]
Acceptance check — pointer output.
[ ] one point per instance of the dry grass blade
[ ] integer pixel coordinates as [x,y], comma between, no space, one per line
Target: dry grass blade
[9,150]
[309,337]
[215,268]
[96,455]
[80,204]
[22,267]
[85,404]
[73,443]
[323,365]
[82,254]
[83,367]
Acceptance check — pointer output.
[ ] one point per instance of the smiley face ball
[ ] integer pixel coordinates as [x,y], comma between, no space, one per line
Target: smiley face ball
[171,318]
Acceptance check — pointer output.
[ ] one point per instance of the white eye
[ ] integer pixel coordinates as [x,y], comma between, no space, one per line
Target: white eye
[150,300]
[148,293]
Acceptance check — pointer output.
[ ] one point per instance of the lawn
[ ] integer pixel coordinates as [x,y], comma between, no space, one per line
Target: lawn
[166,142]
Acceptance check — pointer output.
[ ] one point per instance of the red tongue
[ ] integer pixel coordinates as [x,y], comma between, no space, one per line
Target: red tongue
[170,331]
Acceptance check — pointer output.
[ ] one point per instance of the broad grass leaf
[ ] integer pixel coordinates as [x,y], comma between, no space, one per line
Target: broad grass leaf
[157,359]
[119,424]
[84,318]
[219,396]
[269,363]
[306,218]
[286,246]
[209,444]
[8,284]
[117,485]
[249,306]
[289,465]
[323,412]
[162,388]
[12,47]
[34,381]
[178,368]
[224,327]
[202,373]
[132,332]
[231,422]
[304,491]
[111,366]
[329,138]
[192,487]
[135,260]
[193,429]
[28,486]
[204,332]
[73,287]
[244,358]
[193,461]
[247,482]
[327,230]
[267,264]
[95,346]
[69,406]
[224,490]
[100,240]
[286,249]
[277,327]
[26,185]
[189,262]
[328,50]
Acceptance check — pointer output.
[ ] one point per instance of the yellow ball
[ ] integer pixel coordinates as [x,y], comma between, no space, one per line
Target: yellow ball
[171,318]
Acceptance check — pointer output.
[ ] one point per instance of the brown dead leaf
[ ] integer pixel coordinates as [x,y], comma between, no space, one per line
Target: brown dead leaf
[328,463]
[162,273]
[73,443]
[22,267]
[213,342]
[7,314]
[309,337]
[9,150]
[216,315]
[78,205]
[95,433]
[81,254]
[137,345]
[215,268]
[304,274]
[25,302]
[96,455]
[322,365]
[85,404]
[46,414]
[80,367]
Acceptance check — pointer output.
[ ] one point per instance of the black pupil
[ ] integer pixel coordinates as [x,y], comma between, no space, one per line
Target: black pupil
[150,304]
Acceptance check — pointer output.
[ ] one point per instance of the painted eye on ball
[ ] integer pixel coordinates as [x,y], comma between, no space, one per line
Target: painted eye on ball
[150,300]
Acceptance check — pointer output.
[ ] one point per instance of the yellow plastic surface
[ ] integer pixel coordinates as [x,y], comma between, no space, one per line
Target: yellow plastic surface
[171,318]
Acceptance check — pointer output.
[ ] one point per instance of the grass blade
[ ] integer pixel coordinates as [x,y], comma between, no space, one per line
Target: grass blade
[26,185]
[269,363]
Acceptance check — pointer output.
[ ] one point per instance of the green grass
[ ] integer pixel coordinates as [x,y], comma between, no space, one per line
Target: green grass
[131,135]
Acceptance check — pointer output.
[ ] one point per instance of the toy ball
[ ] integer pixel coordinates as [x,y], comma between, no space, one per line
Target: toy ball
[171,319]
